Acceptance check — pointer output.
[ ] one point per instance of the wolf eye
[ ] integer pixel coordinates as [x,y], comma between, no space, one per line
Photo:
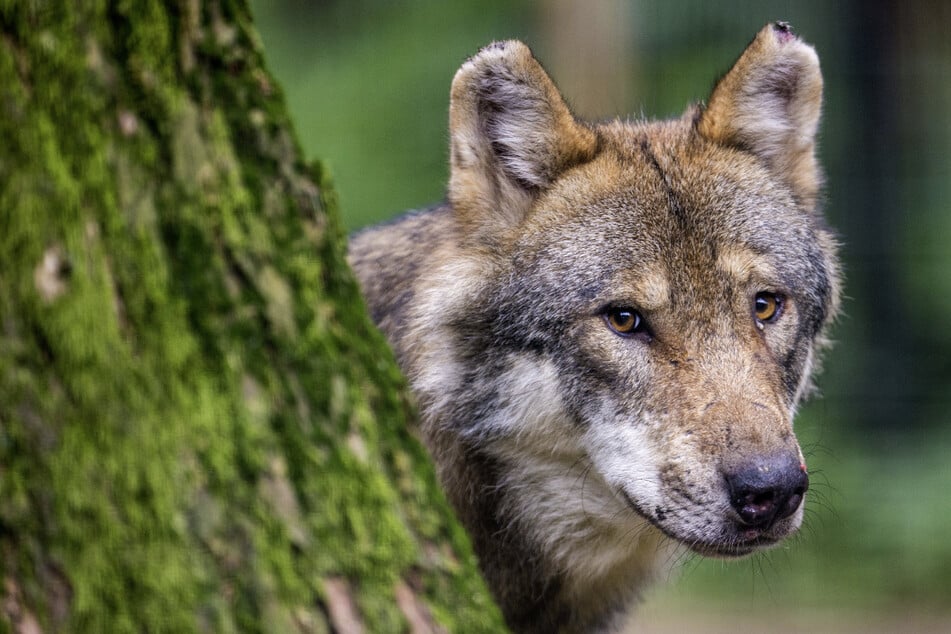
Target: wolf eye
[624,321]
[766,306]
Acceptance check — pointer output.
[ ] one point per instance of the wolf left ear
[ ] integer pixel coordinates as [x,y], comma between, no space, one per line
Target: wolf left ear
[511,135]
[769,104]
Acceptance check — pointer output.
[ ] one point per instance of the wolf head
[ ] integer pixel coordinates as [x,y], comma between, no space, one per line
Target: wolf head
[629,312]
[664,285]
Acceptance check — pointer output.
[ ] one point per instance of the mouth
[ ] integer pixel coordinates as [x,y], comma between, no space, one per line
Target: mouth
[744,542]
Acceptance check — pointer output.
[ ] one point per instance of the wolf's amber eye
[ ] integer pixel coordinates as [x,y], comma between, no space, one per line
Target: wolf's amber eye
[766,306]
[624,321]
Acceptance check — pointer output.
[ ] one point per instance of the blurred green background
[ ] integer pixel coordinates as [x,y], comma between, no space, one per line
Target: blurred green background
[367,83]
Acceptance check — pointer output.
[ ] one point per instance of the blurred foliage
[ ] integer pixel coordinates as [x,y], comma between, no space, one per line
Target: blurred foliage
[368,81]
[368,85]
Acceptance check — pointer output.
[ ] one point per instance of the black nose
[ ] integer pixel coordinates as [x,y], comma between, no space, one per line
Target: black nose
[767,489]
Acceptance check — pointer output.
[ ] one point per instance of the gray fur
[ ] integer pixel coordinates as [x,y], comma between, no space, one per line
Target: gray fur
[580,460]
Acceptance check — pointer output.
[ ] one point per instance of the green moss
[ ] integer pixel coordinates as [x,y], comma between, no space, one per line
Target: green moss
[198,424]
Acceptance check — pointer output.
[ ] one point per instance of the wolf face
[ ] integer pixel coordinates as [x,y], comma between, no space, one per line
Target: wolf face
[609,327]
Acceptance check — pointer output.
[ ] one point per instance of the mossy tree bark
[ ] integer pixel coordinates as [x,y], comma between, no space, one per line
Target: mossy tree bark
[199,430]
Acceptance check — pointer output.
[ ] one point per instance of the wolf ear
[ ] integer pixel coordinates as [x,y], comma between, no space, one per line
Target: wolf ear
[511,135]
[769,104]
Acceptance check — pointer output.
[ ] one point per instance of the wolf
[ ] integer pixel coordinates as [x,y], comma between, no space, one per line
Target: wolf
[608,326]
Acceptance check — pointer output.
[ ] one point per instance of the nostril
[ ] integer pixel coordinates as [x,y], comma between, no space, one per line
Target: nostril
[792,503]
[762,508]
[766,490]
[794,500]
[755,508]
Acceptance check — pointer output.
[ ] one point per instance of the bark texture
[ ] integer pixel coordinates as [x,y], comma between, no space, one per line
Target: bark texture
[199,429]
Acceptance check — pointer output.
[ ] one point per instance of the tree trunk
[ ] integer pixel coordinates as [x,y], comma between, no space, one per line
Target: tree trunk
[199,429]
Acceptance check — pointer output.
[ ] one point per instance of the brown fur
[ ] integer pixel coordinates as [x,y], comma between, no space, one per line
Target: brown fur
[580,459]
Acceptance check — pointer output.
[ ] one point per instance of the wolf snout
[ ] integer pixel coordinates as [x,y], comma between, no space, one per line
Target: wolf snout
[767,489]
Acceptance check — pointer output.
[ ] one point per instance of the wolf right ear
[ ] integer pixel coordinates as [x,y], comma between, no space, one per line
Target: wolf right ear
[511,135]
[769,104]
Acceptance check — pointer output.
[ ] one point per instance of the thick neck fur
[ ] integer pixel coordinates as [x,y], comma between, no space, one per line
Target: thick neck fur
[543,532]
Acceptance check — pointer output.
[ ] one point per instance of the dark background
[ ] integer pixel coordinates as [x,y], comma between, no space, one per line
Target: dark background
[367,82]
